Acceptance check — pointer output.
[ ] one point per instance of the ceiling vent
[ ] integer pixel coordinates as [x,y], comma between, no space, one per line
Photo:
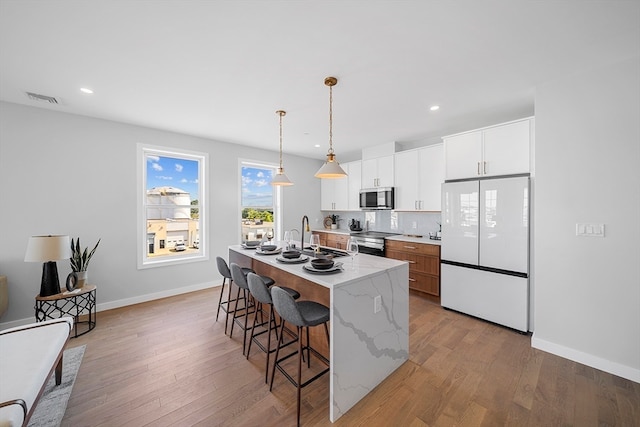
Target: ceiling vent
[43,98]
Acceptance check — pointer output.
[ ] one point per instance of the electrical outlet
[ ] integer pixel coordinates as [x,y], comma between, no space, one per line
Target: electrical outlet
[377,304]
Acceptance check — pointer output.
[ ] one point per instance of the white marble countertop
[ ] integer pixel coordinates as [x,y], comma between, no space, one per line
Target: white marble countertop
[425,239]
[363,266]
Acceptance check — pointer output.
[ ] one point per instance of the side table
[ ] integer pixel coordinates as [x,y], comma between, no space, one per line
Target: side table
[80,302]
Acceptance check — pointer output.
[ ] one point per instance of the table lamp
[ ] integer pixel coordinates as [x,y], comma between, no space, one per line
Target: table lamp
[48,249]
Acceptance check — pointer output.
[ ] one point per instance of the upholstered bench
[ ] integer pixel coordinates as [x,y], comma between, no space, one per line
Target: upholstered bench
[28,356]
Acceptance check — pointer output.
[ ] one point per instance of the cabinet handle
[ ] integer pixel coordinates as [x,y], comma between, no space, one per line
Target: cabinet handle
[412,280]
[485,168]
[478,168]
[409,247]
[409,261]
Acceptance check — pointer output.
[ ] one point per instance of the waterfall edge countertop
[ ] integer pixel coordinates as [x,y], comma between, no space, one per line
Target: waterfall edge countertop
[369,318]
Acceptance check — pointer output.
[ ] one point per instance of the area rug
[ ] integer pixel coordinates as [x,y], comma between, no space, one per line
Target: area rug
[53,403]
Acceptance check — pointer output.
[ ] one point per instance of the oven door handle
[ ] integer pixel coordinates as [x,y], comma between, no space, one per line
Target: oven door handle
[377,246]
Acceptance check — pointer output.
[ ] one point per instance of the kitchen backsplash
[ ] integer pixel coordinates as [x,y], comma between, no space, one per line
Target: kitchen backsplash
[421,223]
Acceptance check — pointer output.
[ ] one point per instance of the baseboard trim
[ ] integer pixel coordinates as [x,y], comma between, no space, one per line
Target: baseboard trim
[605,365]
[127,301]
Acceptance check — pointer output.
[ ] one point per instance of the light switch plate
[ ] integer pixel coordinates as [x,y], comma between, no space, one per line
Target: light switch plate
[377,304]
[589,229]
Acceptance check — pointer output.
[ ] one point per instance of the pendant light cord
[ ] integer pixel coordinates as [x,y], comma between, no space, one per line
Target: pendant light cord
[331,119]
[281,113]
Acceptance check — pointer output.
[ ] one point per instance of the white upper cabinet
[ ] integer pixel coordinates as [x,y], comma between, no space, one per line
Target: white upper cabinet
[496,150]
[377,172]
[418,178]
[341,194]
[334,194]
[355,184]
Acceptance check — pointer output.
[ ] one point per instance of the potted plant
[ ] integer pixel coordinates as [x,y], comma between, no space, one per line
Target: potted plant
[79,263]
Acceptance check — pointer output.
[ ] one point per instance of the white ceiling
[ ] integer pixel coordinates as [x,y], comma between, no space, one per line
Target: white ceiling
[220,69]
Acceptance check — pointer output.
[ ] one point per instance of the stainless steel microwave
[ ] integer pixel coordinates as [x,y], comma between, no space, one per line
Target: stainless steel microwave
[377,198]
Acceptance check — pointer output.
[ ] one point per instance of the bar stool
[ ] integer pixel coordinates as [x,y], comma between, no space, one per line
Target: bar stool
[302,314]
[240,279]
[261,293]
[223,269]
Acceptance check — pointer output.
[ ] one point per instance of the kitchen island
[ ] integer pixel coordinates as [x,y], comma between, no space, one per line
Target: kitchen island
[369,339]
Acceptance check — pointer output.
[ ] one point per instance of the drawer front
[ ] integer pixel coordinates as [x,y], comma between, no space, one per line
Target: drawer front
[335,241]
[418,248]
[424,283]
[416,262]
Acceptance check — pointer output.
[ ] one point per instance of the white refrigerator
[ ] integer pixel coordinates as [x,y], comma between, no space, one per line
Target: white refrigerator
[485,249]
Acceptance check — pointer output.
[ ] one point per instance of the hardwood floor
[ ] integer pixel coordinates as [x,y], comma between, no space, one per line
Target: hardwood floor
[169,363]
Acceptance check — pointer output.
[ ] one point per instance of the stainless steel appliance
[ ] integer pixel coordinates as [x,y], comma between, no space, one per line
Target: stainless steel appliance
[371,242]
[485,249]
[377,198]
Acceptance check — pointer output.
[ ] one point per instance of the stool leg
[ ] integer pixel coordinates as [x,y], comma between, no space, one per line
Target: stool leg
[253,328]
[224,279]
[300,349]
[229,296]
[272,319]
[308,349]
[275,361]
[246,319]
[235,310]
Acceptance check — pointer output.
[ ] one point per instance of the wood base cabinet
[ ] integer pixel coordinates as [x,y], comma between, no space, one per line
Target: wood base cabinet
[424,264]
[333,240]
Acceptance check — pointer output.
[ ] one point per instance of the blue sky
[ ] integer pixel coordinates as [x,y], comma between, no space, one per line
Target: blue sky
[173,172]
[256,187]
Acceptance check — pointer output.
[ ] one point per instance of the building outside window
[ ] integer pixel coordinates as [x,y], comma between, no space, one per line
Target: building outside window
[171,206]
[260,202]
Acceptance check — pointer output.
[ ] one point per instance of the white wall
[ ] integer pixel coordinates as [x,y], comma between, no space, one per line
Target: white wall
[68,174]
[587,299]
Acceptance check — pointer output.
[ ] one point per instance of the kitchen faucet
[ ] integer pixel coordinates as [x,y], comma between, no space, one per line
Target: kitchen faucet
[303,229]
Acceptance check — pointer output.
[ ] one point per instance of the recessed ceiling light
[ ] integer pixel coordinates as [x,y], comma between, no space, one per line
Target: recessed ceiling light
[86,90]
[317,145]
[434,108]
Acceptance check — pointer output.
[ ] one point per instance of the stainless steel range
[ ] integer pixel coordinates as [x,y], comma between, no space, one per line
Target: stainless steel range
[371,242]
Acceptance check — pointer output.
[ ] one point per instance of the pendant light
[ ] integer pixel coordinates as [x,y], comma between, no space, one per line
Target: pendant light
[280,178]
[331,168]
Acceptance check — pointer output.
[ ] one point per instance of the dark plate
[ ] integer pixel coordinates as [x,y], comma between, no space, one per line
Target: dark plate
[322,264]
[299,260]
[335,269]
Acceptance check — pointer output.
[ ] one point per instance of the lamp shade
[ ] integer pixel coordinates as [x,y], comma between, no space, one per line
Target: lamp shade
[48,248]
[281,178]
[331,169]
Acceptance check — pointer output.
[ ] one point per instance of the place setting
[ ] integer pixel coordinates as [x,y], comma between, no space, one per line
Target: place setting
[292,257]
[268,250]
[323,266]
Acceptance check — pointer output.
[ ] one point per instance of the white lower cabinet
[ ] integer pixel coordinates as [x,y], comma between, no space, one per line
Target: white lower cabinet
[418,177]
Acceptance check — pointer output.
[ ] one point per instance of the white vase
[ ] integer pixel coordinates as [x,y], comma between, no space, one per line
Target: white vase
[82,277]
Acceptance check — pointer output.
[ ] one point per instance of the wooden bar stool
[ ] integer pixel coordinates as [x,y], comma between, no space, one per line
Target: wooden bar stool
[302,314]
[261,293]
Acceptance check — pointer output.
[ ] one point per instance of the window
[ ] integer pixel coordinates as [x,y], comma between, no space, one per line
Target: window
[260,202]
[171,200]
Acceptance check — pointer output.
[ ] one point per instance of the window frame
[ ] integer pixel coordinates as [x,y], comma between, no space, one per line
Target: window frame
[277,195]
[144,261]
